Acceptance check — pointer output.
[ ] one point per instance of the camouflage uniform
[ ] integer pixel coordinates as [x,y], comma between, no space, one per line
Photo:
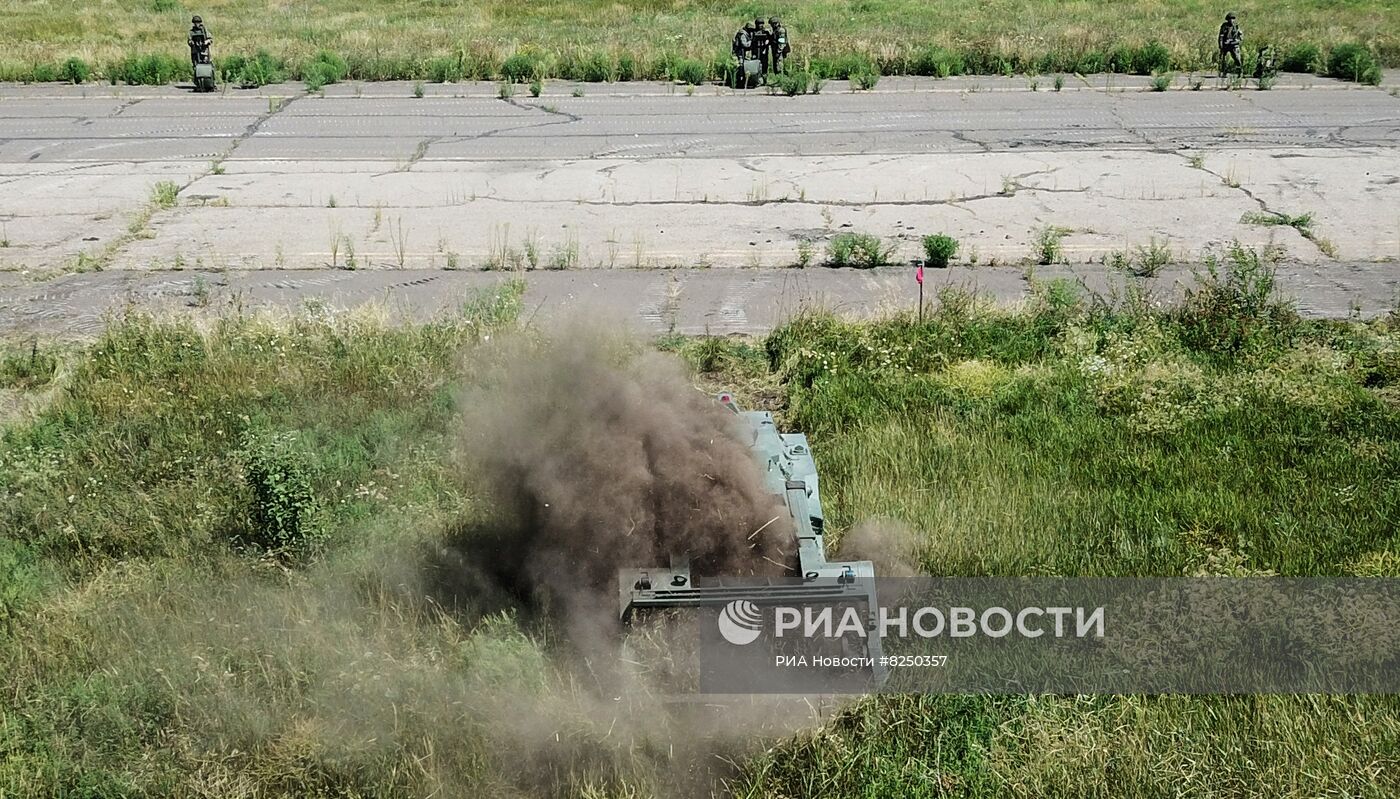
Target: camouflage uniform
[742,49]
[1230,40]
[761,41]
[743,40]
[778,47]
[199,40]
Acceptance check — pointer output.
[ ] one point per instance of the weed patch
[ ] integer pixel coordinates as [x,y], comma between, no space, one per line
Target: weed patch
[860,250]
[939,249]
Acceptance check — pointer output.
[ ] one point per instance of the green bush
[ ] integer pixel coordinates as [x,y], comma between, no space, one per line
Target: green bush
[1233,309]
[522,68]
[284,507]
[791,82]
[1162,82]
[444,70]
[599,68]
[689,70]
[325,69]
[25,370]
[149,70]
[1151,57]
[939,249]
[860,250]
[76,70]
[250,73]
[843,67]
[1303,58]
[937,62]
[1048,245]
[1354,62]
[865,81]
[626,67]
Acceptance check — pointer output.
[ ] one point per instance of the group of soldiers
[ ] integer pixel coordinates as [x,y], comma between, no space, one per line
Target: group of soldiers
[761,49]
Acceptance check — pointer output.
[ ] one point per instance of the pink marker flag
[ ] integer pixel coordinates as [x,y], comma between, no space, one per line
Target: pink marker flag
[919,275]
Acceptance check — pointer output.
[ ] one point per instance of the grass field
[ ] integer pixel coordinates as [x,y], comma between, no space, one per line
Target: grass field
[208,539]
[593,40]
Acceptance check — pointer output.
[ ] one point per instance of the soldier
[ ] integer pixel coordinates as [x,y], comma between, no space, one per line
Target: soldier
[199,40]
[778,47]
[761,40]
[1230,40]
[743,47]
[1264,65]
[743,40]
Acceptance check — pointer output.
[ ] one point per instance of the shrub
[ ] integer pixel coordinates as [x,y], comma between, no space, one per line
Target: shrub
[937,62]
[1048,247]
[689,70]
[1150,58]
[1162,82]
[626,67]
[26,370]
[149,70]
[599,68]
[325,69]
[75,70]
[1233,309]
[250,73]
[522,68]
[790,82]
[844,67]
[1303,58]
[284,507]
[1354,62]
[865,81]
[43,73]
[860,250]
[445,70]
[939,249]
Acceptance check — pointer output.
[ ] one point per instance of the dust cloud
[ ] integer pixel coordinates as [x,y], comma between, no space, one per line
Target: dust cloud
[601,455]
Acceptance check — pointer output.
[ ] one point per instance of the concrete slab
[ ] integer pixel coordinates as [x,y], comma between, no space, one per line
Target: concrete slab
[645,175]
[713,301]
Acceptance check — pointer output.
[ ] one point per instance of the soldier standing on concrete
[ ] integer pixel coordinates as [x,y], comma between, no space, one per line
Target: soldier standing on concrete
[743,40]
[778,47]
[761,41]
[743,51]
[1230,40]
[199,40]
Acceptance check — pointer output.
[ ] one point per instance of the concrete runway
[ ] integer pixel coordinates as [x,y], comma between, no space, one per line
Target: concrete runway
[639,176]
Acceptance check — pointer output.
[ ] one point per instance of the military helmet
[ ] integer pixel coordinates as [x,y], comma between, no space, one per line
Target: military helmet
[757,21]
[748,26]
[774,21]
[1230,15]
[197,21]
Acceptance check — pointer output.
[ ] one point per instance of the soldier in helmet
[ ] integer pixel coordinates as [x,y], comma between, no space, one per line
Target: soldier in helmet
[778,47]
[1230,40]
[199,40]
[742,47]
[761,41]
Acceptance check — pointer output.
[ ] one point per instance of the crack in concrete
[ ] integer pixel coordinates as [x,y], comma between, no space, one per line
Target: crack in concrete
[1264,206]
[125,105]
[115,248]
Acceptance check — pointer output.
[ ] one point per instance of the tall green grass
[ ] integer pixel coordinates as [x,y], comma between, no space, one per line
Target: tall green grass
[688,41]
[213,541]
